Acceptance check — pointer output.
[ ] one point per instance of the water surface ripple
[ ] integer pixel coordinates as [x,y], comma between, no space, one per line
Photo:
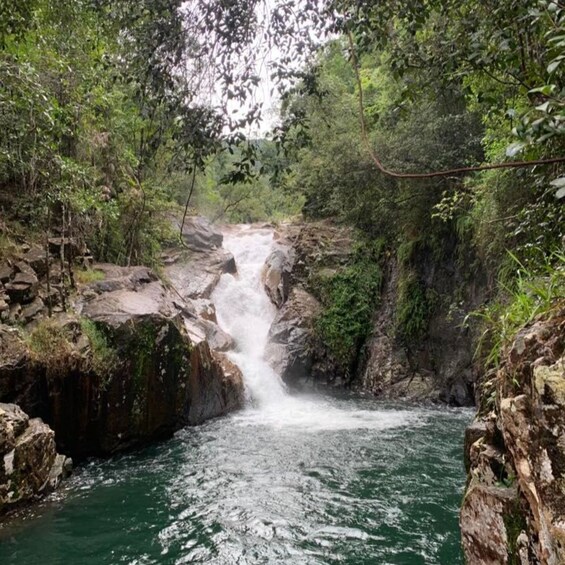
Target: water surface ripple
[243,490]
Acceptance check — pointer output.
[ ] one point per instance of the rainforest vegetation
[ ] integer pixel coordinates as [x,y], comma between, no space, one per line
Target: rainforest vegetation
[114,115]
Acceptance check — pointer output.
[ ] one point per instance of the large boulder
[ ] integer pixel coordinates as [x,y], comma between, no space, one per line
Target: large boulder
[216,384]
[195,275]
[289,350]
[276,273]
[199,234]
[302,254]
[30,466]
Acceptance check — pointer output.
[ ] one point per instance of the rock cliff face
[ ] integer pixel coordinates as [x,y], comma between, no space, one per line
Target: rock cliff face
[514,506]
[438,366]
[162,364]
[300,255]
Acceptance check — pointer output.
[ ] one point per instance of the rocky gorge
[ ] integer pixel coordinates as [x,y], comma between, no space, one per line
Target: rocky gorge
[513,510]
[437,367]
[130,357]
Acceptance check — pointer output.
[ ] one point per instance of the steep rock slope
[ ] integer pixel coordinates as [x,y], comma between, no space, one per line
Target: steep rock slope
[435,365]
[130,361]
[301,255]
[30,466]
[514,506]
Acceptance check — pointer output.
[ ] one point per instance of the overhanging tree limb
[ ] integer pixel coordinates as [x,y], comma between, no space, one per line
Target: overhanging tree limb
[449,172]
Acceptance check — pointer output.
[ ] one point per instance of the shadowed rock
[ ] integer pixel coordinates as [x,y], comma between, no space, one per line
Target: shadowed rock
[29,464]
[289,350]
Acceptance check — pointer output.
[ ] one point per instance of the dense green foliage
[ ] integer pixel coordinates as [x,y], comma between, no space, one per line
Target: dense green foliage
[104,128]
[530,295]
[444,85]
[348,299]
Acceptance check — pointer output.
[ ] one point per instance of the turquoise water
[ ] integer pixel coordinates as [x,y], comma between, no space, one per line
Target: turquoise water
[338,480]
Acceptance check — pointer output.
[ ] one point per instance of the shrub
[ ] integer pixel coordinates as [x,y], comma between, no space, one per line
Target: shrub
[50,346]
[412,308]
[533,294]
[349,298]
[86,276]
[103,356]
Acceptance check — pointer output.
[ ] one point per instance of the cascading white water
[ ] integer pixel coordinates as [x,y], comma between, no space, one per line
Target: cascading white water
[246,313]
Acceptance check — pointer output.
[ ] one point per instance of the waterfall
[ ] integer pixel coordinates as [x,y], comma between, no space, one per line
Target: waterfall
[245,312]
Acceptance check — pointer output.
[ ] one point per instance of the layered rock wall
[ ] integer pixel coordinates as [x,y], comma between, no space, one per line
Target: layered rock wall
[514,506]
[438,365]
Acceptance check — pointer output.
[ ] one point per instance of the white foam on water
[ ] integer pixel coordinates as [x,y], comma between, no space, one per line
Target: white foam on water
[245,312]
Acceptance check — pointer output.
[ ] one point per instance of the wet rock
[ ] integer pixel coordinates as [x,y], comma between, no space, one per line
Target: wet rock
[277,272]
[200,330]
[205,309]
[290,337]
[61,469]
[217,338]
[437,367]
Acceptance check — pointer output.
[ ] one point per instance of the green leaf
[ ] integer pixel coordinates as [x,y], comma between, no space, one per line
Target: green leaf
[552,67]
[546,89]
